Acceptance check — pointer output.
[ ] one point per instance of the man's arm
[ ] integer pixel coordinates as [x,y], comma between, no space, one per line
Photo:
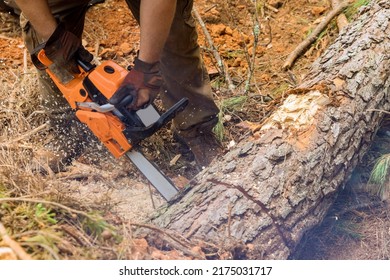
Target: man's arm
[61,46]
[39,14]
[156,18]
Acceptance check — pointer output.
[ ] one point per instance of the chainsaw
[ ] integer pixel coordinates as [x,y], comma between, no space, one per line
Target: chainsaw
[118,128]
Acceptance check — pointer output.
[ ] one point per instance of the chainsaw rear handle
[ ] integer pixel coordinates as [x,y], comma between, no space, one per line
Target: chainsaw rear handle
[41,61]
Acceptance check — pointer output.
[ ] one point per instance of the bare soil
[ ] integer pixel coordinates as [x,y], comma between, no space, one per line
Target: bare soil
[357,228]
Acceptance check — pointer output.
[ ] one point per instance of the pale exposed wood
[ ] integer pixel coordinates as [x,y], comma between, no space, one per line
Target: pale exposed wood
[19,251]
[342,20]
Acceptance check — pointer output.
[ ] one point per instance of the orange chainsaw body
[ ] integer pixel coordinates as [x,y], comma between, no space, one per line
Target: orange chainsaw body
[106,77]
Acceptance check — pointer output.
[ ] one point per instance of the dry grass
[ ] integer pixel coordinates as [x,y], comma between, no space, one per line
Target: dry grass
[71,215]
[24,191]
[358,234]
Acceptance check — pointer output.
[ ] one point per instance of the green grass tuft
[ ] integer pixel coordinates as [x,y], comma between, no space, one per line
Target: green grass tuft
[380,176]
[352,9]
[230,105]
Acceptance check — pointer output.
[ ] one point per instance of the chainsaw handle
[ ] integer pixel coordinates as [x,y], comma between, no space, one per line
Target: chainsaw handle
[40,60]
[136,134]
[86,66]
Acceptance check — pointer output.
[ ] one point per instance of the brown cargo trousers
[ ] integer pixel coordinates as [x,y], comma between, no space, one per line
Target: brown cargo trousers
[182,67]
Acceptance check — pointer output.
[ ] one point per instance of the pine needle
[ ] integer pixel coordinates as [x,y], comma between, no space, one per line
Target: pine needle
[380,175]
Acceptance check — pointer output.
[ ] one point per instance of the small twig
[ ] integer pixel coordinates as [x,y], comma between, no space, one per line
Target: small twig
[210,8]
[179,244]
[378,110]
[5,29]
[77,176]
[269,7]
[269,33]
[25,66]
[313,36]
[221,64]
[31,132]
[80,238]
[151,196]
[6,38]
[97,45]
[35,113]
[251,62]
[66,208]
[19,251]
[160,231]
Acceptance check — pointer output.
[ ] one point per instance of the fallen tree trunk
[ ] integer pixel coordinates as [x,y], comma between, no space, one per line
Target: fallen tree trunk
[262,196]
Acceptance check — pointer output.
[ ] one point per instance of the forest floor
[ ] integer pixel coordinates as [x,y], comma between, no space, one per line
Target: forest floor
[97,184]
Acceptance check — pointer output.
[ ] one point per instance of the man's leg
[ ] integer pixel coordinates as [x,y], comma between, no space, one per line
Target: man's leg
[185,76]
[69,133]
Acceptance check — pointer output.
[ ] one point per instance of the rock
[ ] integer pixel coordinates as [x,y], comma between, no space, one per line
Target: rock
[276,3]
[218,29]
[228,31]
[125,48]
[317,11]
[212,16]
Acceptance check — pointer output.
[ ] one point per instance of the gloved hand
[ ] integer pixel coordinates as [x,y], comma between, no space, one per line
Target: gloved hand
[140,87]
[63,48]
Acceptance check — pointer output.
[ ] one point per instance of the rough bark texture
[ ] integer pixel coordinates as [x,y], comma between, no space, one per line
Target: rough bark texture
[262,196]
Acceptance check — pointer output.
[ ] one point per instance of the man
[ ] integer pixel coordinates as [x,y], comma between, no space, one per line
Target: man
[168,63]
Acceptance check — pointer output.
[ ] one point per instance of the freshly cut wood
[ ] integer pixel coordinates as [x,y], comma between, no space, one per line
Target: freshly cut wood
[258,200]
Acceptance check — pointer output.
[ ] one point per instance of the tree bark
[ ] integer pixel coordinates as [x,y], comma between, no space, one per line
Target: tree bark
[258,200]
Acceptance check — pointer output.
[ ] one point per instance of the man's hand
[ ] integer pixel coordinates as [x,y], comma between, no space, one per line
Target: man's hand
[140,87]
[63,48]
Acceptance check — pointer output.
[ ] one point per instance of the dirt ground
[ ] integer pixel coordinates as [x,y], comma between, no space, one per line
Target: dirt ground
[253,61]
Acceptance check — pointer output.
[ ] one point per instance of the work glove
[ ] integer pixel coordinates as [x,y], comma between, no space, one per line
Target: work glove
[63,48]
[140,86]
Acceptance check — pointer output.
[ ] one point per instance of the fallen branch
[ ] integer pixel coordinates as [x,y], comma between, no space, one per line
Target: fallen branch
[251,61]
[220,62]
[19,251]
[313,36]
